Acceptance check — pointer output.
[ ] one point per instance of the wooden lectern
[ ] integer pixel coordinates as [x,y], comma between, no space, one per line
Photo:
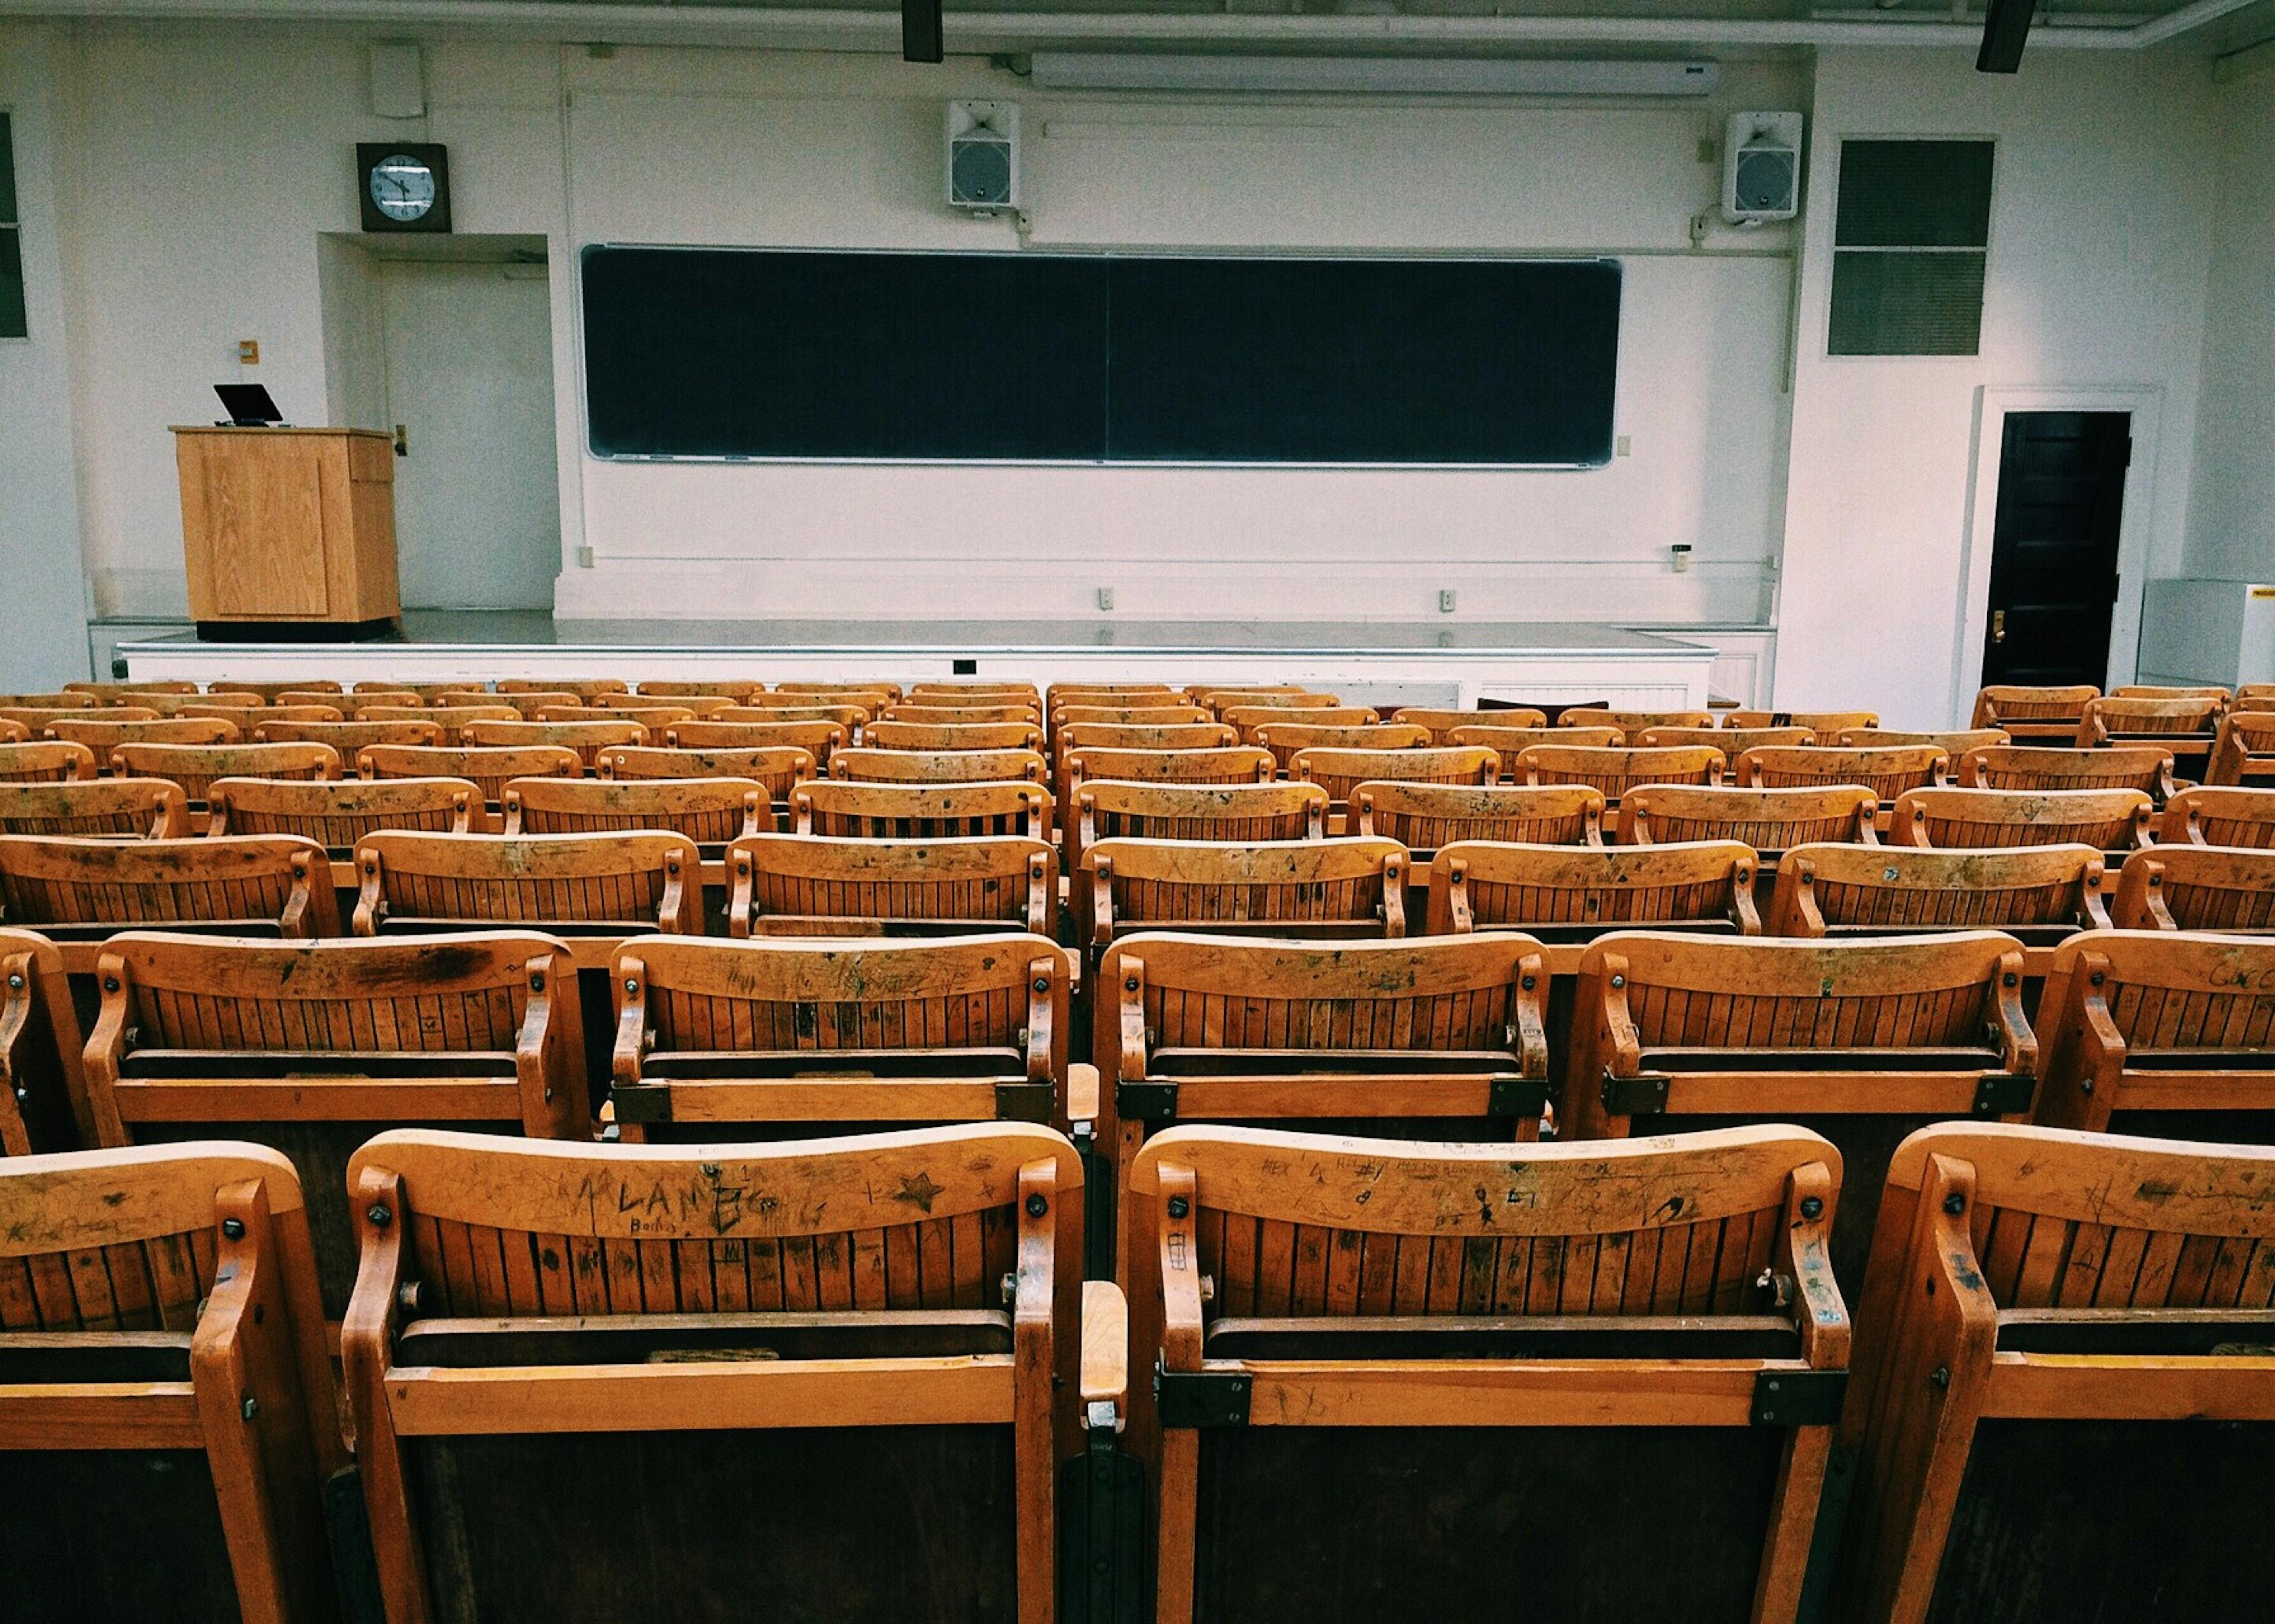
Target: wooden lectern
[289,532]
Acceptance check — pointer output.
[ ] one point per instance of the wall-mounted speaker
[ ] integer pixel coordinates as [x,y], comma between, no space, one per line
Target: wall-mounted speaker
[1761,168]
[982,156]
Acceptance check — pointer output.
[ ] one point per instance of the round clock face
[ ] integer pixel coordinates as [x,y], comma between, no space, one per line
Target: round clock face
[402,187]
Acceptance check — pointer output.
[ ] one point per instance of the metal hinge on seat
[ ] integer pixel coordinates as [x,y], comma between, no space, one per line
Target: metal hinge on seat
[642,1102]
[1799,1398]
[1025,1102]
[2004,1093]
[1642,1095]
[1190,1399]
[1148,1102]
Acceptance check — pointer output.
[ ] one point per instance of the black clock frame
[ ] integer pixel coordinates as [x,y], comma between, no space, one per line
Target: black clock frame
[370,154]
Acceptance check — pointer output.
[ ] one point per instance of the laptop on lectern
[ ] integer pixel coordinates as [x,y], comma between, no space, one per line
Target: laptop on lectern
[248,406]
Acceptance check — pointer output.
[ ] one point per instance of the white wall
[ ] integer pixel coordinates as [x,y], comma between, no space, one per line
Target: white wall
[2100,231]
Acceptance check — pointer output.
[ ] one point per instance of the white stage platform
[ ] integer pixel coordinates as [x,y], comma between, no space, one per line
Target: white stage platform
[1454,664]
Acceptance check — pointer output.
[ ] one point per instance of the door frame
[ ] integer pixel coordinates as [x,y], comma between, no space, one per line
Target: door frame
[2145,403]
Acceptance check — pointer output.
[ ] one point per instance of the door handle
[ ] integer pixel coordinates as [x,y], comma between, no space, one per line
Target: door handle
[402,440]
[1997,626]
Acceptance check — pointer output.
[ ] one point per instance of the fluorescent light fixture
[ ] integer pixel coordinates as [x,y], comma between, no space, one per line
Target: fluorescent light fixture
[1440,76]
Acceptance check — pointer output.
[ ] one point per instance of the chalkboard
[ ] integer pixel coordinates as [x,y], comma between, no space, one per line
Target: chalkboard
[1064,357]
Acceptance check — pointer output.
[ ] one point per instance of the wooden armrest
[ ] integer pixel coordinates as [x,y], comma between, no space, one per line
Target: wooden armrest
[1082,1093]
[1105,1344]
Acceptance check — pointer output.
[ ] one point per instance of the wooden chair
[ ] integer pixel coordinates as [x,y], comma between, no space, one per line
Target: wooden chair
[585,688]
[451,719]
[1423,817]
[197,767]
[196,704]
[938,767]
[2243,750]
[781,768]
[350,705]
[48,761]
[337,814]
[2107,820]
[1887,772]
[1633,723]
[2187,888]
[13,732]
[1068,736]
[87,890]
[573,885]
[2184,727]
[1732,742]
[884,689]
[270,692]
[588,739]
[804,884]
[738,689]
[309,1047]
[78,702]
[1384,1366]
[2038,894]
[1953,742]
[1440,723]
[1303,890]
[1216,696]
[851,718]
[42,1087]
[121,693]
[715,1038]
[488,768]
[1439,1038]
[1769,821]
[247,717]
[2147,691]
[2145,767]
[914,714]
[1614,771]
[845,810]
[2224,816]
[1339,771]
[135,808]
[648,708]
[654,718]
[525,706]
[980,691]
[427,691]
[2061,1406]
[1863,1040]
[892,734]
[36,720]
[1161,714]
[1513,741]
[105,738]
[2033,715]
[1248,718]
[350,739]
[818,739]
[833,1405]
[1827,725]
[169,1420]
[709,812]
[1285,739]
[1242,763]
[1115,692]
[1113,809]
[1575,894]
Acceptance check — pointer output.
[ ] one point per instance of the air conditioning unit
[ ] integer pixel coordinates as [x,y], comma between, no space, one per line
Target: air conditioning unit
[982,156]
[1761,168]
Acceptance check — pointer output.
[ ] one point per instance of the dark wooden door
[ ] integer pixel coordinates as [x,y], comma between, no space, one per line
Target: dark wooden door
[2053,546]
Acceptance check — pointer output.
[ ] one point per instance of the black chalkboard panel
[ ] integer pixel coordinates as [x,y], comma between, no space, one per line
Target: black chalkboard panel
[1043,358]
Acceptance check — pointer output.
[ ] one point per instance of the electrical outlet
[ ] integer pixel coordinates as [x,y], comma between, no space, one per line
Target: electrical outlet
[1106,597]
[583,558]
[1445,600]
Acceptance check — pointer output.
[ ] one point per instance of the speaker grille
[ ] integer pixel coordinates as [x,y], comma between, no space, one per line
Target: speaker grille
[1911,244]
[980,172]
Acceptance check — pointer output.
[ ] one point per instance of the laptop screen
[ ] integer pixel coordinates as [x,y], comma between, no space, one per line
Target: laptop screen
[248,402]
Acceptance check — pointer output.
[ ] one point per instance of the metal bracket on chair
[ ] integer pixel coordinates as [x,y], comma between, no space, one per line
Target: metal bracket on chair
[1518,1097]
[1148,1101]
[2004,1093]
[1799,1398]
[1643,1094]
[1190,1399]
[1024,1101]
[642,1102]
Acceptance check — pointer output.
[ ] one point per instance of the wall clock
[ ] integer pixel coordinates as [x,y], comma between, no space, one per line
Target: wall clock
[403,186]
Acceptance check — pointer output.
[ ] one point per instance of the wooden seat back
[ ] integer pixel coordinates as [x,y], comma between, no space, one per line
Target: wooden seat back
[655,718]
[738,689]
[575,884]
[335,814]
[1426,815]
[882,690]
[2184,725]
[938,767]
[1270,696]
[1241,764]
[1732,742]
[706,811]
[2243,752]
[85,890]
[778,711]
[2146,767]
[585,688]
[12,732]
[2187,887]
[36,720]
[1569,893]
[169,1421]
[588,739]
[273,691]
[780,767]
[1767,819]
[1072,735]
[1340,771]
[74,702]
[1248,718]
[2153,691]
[818,739]
[1441,722]
[350,739]
[2107,819]
[2221,816]
[1633,723]
[836,807]
[711,1034]
[1116,809]
[47,762]
[1513,742]
[1352,887]
[917,713]
[245,718]
[130,808]
[1285,739]
[2051,1310]
[426,692]
[1827,726]
[981,691]
[1159,713]
[893,734]
[2033,714]
[1518,1332]
[803,885]
[350,705]
[196,768]
[651,709]
[122,692]
[524,706]
[1615,771]
[105,738]
[760,1336]
[1953,742]
[488,768]
[451,719]
[190,703]
[2036,893]
[1887,771]
[42,1087]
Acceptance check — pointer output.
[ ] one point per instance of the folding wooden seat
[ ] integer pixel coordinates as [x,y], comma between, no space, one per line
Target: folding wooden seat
[2149,691]
[1953,742]
[580,885]
[1284,740]
[451,719]
[272,690]
[350,739]
[2038,894]
[105,738]
[1305,890]
[50,702]
[817,738]
[45,762]
[335,814]
[1887,772]
[353,705]
[196,768]
[736,690]
[1423,817]
[85,890]
[42,1087]
[169,1420]
[1068,736]
[2184,727]
[247,717]
[1247,718]
[108,693]
[836,807]
[735,1039]
[1510,743]
[1862,1041]
[1242,763]
[588,739]
[1613,771]
[1827,725]
[2060,1405]
[1429,1381]
[2243,750]
[933,692]
[646,707]
[309,1048]
[2107,820]
[937,766]
[13,732]
[1769,821]
[793,885]
[868,700]
[1280,697]
[892,735]
[200,704]
[1575,894]
[2146,767]
[428,691]
[36,719]
[133,808]
[654,718]
[2187,887]
[1083,692]
[2033,715]
[585,688]
[1441,723]
[837,1398]
[1732,742]
[1633,723]
[1139,716]
[709,812]
[2253,697]
[524,706]
[889,691]
[2222,816]
[1339,771]
[1112,810]
[781,768]
[1202,693]
[851,718]
[915,714]
[488,768]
